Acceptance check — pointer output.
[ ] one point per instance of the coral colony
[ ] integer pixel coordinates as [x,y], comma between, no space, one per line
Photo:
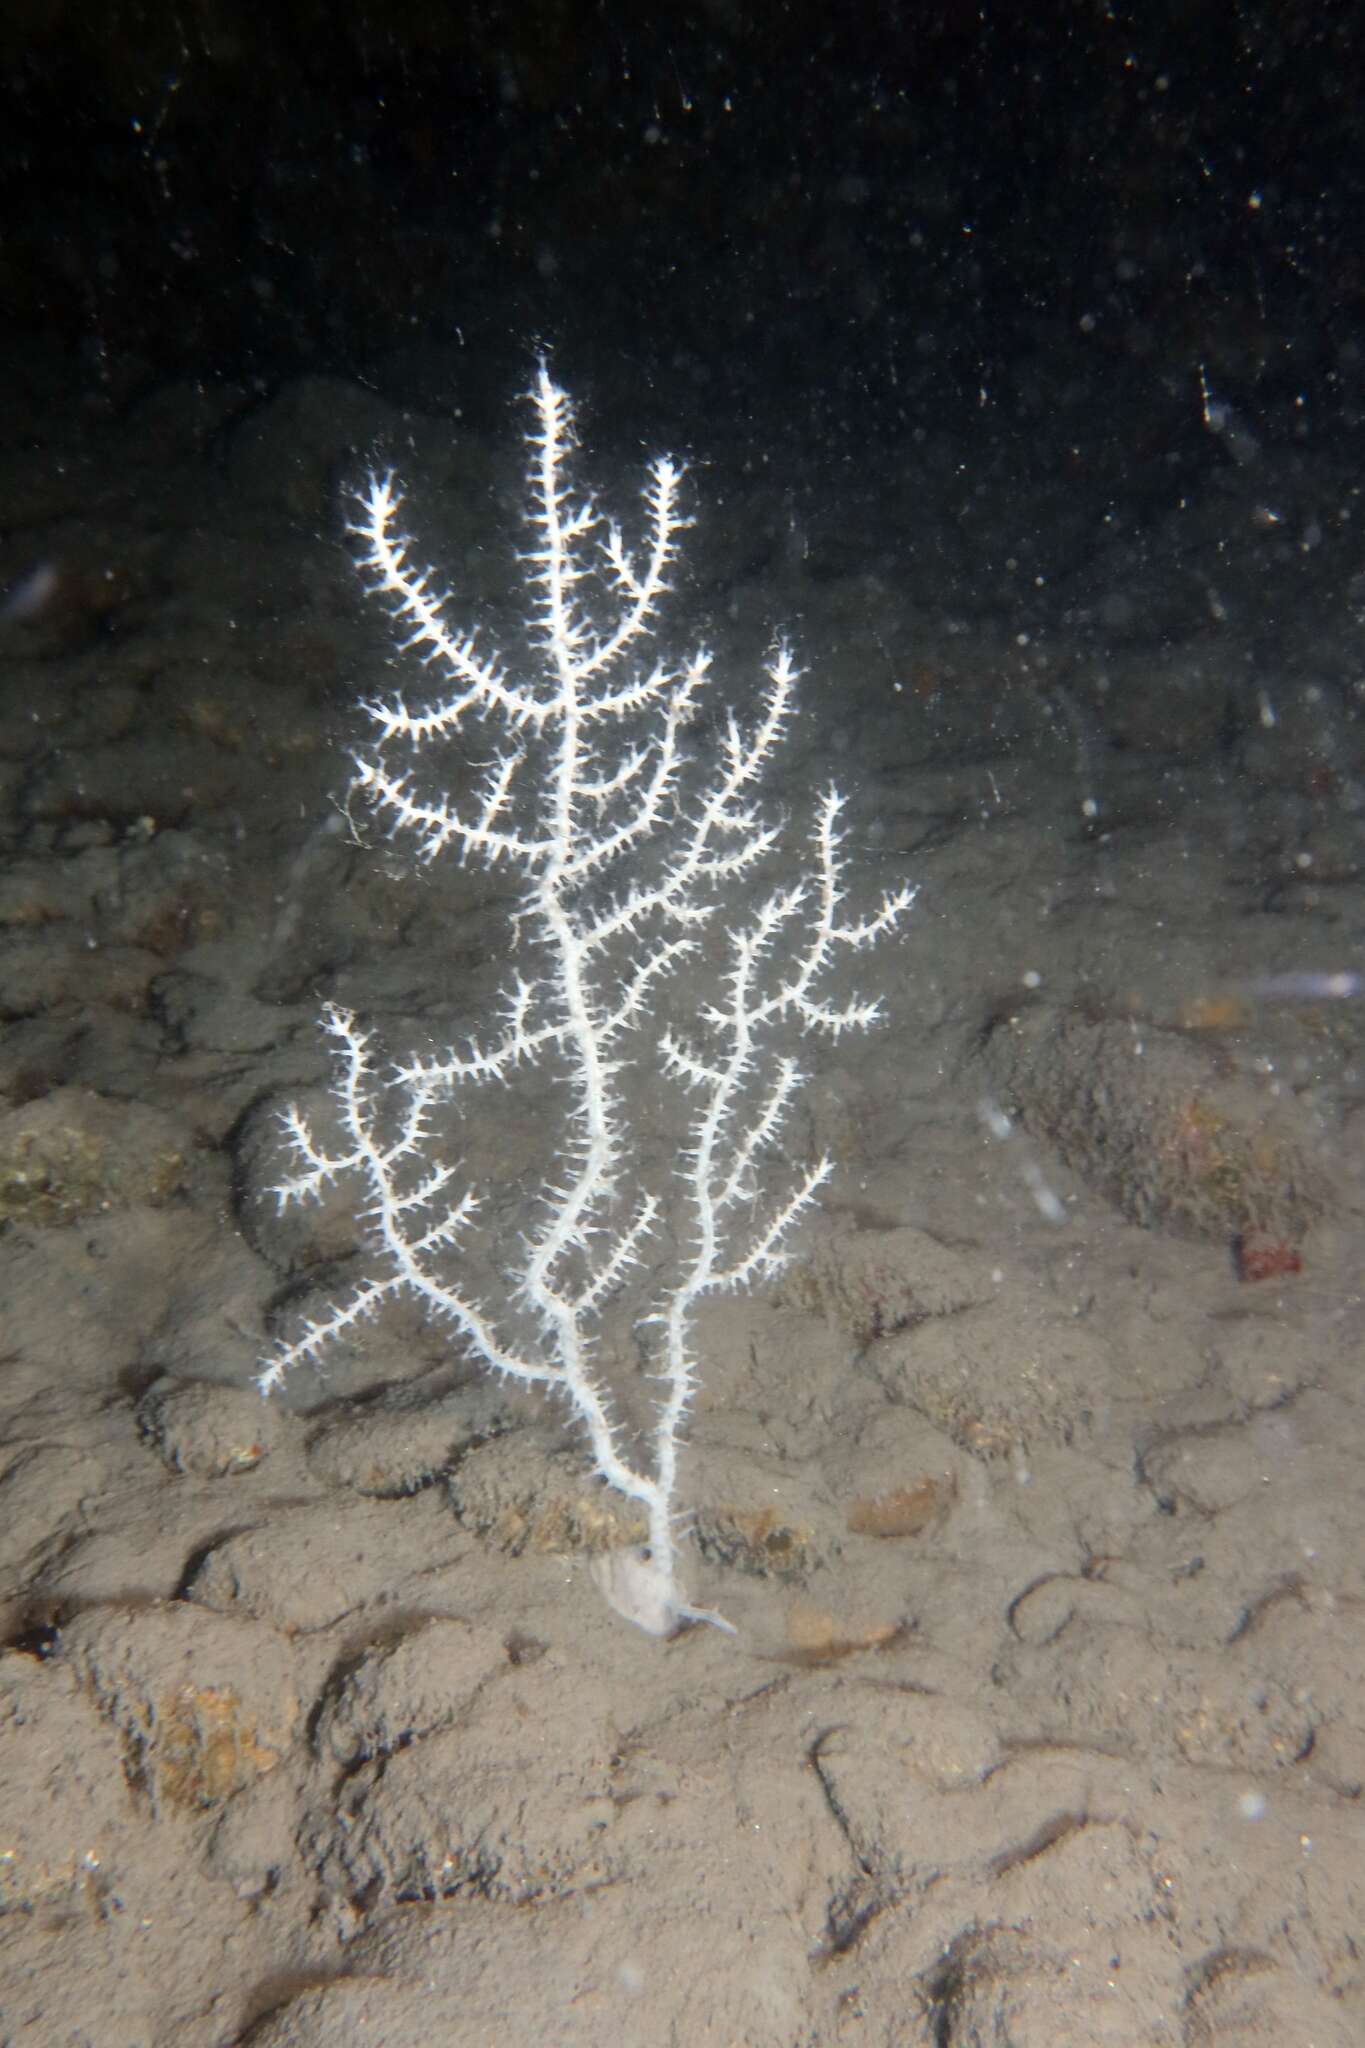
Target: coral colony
[631,853]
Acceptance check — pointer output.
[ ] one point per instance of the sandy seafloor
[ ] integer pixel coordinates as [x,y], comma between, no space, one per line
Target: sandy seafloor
[1034,1489]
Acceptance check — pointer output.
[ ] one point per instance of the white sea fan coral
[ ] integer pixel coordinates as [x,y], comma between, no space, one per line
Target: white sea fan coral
[627,855]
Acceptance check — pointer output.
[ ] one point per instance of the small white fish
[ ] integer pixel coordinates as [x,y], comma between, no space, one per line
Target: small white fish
[1308,987]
